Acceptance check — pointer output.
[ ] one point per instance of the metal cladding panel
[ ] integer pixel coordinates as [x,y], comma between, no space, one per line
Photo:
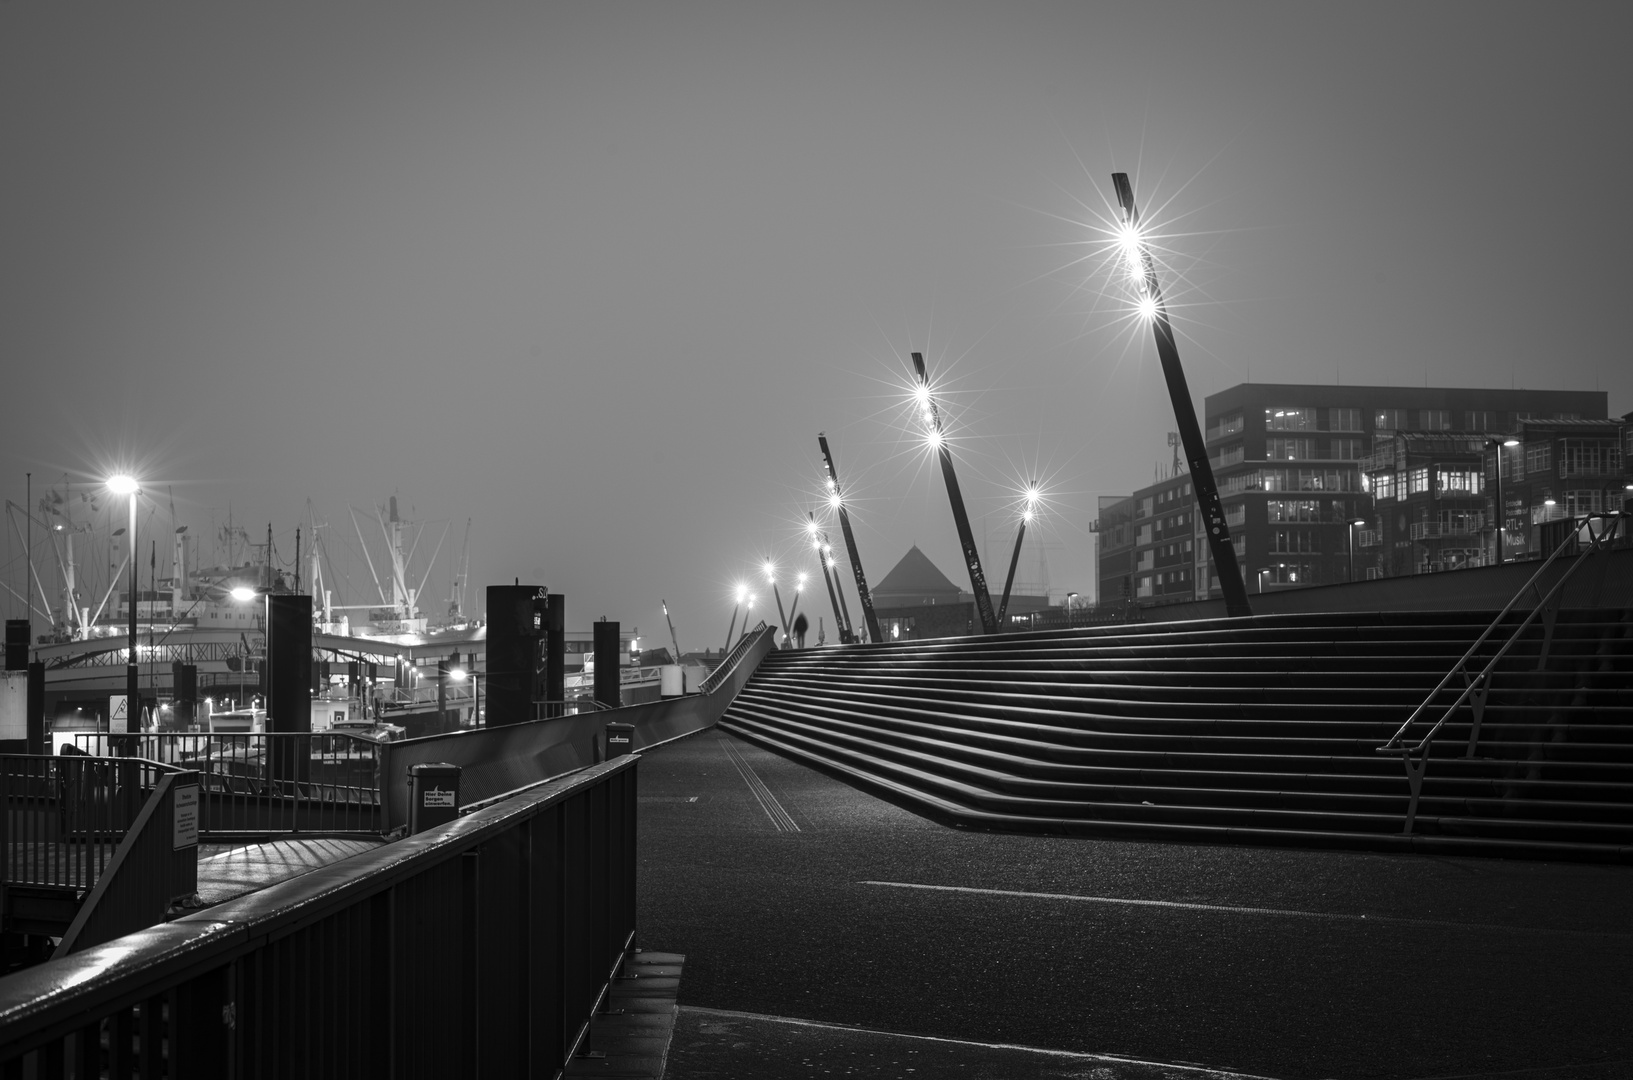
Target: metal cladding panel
[608,664]
[289,663]
[517,618]
[16,644]
[555,652]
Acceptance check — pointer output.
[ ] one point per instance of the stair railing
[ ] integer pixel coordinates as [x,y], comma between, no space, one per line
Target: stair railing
[1415,756]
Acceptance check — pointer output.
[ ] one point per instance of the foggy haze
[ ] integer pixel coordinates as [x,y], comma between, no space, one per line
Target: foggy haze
[594,276]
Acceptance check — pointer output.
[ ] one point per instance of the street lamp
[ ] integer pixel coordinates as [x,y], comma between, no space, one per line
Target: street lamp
[127,485]
[771,576]
[742,594]
[1142,273]
[830,576]
[1351,532]
[837,501]
[937,441]
[1498,445]
[1071,596]
[1028,512]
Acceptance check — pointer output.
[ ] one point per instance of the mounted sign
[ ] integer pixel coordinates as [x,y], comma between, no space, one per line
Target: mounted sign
[184,832]
[118,714]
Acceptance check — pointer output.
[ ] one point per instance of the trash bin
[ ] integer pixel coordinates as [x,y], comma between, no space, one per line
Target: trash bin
[620,740]
[433,795]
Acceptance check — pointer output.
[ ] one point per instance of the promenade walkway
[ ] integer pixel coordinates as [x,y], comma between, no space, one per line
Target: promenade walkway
[795,898]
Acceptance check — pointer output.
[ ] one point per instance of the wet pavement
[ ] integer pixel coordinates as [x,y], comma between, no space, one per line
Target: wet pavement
[822,927]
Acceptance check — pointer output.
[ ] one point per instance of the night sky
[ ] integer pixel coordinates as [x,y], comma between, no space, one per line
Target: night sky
[595,275]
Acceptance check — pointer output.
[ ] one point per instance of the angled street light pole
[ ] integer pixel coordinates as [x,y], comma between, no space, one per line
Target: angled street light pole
[782,617]
[966,538]
[837,499]
[731,629]
[1015,556]
[1144,271]
[819,541]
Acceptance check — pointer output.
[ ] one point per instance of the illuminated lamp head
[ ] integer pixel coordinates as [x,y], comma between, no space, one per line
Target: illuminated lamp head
[935,439]
[835,501]
[1146,306]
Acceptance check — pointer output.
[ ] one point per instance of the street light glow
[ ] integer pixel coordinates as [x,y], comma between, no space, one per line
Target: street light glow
[242,593]
[835,501]
[770,571]
[123,484]
[934,438]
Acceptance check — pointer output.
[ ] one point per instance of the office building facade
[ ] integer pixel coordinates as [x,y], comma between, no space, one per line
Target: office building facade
[1308,478]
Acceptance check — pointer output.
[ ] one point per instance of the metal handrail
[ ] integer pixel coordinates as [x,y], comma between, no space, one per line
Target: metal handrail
[730,660]
[269,782]
[67,814]
[1478,686]
[1393,746]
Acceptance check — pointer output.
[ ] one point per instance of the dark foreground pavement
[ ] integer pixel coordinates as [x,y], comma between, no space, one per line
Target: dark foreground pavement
[796,897]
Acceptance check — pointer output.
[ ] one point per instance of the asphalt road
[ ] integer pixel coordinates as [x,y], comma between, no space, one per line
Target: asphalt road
[794,895]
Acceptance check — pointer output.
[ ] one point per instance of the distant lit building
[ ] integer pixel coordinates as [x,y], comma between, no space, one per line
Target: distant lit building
[916,600]
[1297,465]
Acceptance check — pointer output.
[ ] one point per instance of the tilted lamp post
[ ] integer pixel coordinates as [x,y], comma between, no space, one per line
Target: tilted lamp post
[836,499]
[1027,513]
[931,416]
[1148,291]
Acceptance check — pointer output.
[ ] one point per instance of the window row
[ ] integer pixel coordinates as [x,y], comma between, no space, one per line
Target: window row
[1288,418]
[1448,480]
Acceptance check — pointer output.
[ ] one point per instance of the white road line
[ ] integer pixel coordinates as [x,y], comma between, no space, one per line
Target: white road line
[780,817]
[1071,1055]
[1231,910]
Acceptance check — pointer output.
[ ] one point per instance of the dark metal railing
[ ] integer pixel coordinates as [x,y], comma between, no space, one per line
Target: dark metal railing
[65,816]
[729,661]
[480,948]
[259,783]
[1476,687]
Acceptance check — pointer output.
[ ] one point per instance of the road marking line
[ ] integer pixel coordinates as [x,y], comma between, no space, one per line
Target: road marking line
[1228,909]
[780,817]
[1074,1055]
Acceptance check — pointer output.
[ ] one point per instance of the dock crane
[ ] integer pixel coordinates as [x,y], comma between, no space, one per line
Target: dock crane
[672,639]
[456,594]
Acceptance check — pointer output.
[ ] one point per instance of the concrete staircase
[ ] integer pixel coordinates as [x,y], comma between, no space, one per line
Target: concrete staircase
[1261,730]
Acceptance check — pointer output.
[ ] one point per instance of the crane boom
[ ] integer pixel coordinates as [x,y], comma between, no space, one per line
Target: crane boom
[672,639]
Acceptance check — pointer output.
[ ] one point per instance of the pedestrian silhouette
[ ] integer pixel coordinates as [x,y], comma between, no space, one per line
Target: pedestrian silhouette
[800,626]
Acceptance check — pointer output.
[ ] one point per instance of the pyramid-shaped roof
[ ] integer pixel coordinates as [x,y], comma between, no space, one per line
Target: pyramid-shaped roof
[915,579]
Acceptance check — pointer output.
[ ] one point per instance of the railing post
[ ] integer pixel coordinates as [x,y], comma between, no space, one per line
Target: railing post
[1414,780]
[1478,690]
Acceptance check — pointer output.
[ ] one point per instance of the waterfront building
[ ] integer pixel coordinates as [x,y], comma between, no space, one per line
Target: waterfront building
[1326,484]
